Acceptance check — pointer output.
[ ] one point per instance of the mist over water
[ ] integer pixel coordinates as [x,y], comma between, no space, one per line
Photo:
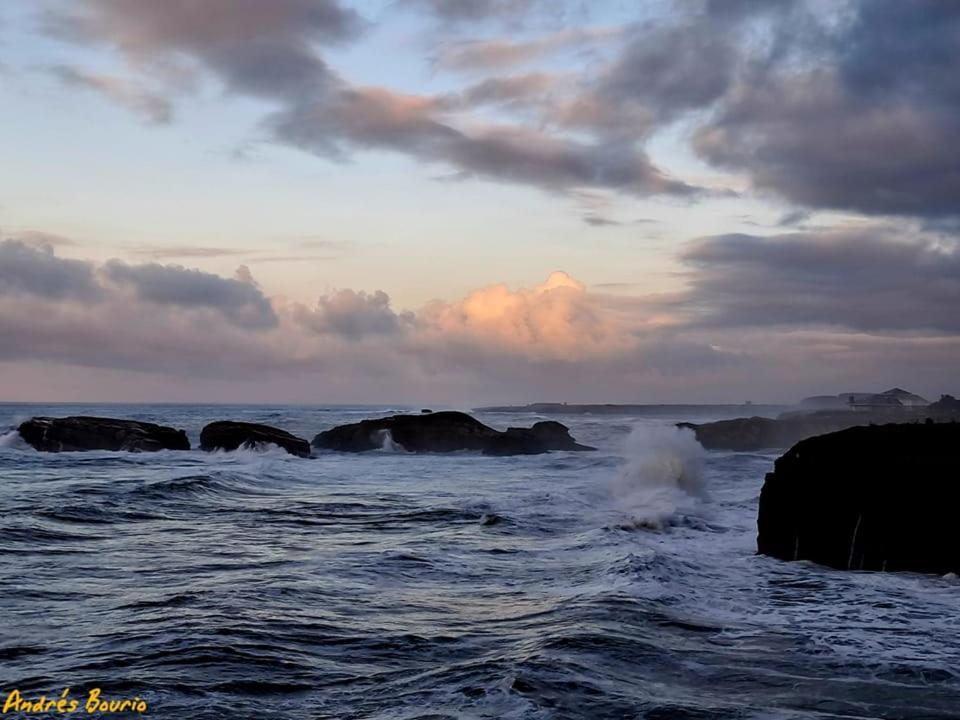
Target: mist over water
[615,584]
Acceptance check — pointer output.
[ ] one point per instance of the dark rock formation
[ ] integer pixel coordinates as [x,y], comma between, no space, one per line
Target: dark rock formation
[96,433]
[946,405]
[446,432]
[229,435]
[867,498]
[759,433]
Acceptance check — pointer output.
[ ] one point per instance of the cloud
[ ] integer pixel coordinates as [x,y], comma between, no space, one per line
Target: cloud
[271,51]
[43,240]
[375,118]
[185,251]
[352,314]
[503,53]
[457,11]
[600,221]
[154,108]
[864,122]
[764,318]
[30,270]
[256,48]
[872,279]
[556,320]
[238,300]
[501,90]
[668,70]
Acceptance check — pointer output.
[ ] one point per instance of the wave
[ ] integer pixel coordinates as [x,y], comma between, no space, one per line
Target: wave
[12,439]
[663,477]
[248,452]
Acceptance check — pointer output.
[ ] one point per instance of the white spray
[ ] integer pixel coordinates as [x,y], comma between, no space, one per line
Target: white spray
[12,439]
[663,475]
[387,443]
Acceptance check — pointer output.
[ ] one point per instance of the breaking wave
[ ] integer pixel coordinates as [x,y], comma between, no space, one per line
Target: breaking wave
[663,476]
[12,439]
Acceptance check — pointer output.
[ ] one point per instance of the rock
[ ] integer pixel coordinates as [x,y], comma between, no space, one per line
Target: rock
[446,431]
[867,498]
[741,434]
[96,433]
[946,405]
[761,433]
[230,435]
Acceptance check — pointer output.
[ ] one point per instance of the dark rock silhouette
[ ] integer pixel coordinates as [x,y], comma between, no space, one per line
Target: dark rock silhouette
[867,498]
[96,433]
[230,435]
[946,405]
[759,433]
[447,431]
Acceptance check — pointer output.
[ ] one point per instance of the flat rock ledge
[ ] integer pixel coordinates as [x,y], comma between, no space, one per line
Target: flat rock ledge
[79,433]
[231,435]
[446,431]
[882,498]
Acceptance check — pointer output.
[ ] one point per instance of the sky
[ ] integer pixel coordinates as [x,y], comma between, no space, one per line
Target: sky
[460,202]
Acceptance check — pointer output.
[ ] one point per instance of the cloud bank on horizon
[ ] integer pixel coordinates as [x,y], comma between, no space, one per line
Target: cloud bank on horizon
[840,115]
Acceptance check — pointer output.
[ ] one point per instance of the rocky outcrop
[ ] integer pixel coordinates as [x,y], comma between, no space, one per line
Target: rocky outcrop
[867,498]
[947,405]
[78,433]
[446,431]
[761,433]
[230,435]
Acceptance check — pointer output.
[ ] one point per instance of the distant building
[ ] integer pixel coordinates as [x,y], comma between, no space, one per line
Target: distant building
[907,399]
[888,400]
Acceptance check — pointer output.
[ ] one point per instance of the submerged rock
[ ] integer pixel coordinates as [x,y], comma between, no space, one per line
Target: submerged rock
[230,435]
[446,431]
[96,433]
[867,498]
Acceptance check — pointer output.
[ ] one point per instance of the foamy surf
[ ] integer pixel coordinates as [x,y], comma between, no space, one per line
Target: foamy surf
[663,476]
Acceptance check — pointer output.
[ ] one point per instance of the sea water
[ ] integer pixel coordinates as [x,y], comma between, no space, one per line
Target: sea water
[616,584]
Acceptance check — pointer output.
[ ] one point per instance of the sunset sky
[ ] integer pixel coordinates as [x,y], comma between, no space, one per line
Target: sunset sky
[478,201]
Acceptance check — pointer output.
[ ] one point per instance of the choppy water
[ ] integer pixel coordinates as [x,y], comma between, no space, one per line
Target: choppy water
[388,585]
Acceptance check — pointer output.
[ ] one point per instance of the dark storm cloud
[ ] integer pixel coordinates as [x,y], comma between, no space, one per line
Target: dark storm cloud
[26,269]
[868,122]
[241,302]
[872,279]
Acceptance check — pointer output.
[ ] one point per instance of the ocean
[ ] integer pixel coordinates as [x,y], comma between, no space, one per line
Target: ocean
[616,584]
